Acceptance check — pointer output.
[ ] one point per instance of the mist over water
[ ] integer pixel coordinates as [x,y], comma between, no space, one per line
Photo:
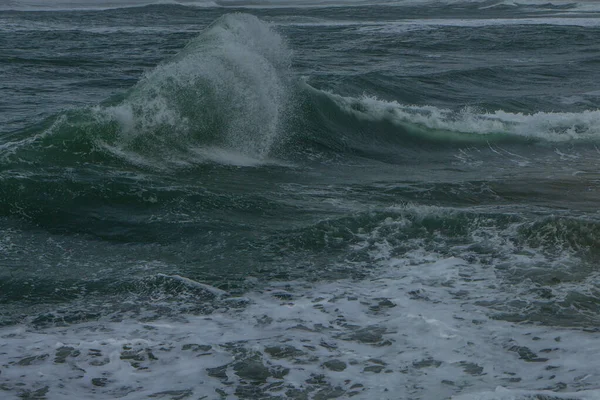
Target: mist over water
[306,200]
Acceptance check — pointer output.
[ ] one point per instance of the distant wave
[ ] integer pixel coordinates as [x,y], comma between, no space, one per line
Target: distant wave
[64,5]
[73,5]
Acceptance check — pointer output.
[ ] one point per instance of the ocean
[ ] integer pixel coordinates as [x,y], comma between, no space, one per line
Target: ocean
[299,199]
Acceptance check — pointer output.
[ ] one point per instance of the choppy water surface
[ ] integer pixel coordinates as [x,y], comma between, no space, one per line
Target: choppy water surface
[305,200]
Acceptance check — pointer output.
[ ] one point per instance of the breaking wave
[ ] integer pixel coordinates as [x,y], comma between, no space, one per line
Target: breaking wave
[223,98]
[230,97]
[470,125]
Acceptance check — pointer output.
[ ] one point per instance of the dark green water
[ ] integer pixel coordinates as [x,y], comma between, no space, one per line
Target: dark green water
[308,201]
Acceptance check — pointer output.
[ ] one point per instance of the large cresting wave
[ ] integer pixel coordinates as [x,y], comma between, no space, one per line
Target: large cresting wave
[223,98]
[227,89]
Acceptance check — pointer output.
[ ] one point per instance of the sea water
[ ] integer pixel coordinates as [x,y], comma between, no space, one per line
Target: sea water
[303,199]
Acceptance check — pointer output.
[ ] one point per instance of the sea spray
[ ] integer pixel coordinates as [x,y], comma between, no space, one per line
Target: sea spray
[227,88]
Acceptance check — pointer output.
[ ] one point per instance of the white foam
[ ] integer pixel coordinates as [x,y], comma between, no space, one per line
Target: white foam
[551,126]
[425,344]
[416,328]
